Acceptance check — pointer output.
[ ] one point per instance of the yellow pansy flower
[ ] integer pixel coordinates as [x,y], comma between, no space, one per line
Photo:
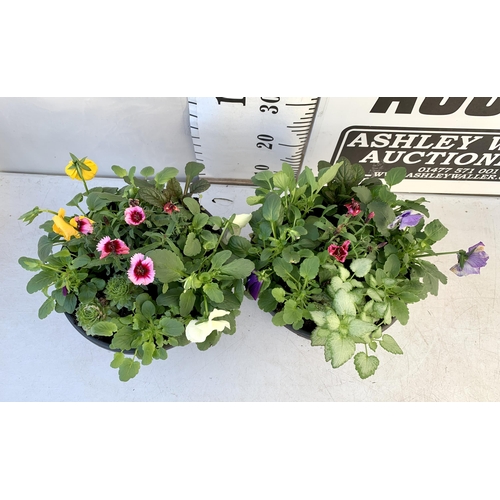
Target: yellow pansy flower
[72,171]
[67,231]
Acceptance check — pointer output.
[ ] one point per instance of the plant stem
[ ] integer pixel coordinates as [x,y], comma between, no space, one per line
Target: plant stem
[435,254]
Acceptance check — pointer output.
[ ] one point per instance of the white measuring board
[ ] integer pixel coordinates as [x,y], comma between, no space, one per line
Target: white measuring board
[237,137]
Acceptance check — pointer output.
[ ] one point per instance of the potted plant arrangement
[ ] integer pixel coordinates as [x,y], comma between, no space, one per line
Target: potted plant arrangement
[141,268]
[338,257]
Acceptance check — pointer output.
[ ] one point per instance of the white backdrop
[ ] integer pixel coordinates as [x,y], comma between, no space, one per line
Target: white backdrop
[449,145]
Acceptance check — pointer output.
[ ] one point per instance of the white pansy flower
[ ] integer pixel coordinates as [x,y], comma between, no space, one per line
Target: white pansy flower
[198,332]
[240,221]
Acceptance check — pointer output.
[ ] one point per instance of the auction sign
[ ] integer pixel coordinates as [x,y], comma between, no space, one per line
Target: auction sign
[446,144]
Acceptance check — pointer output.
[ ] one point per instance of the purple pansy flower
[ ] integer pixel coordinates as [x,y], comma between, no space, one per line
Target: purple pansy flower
[406,219]
[470,262]
[254,286]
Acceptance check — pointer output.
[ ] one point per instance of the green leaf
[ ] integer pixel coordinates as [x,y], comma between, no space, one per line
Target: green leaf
[290,312]
[220,258]
[326,176]
[118,359]
[365,365]
[199,186]
[349,175]
[319,336]
[278,319]
[282,181]
[192,246]
[239,246]
[75,200]
[41,280]
[152,196]
[278,294]
[230,303]
[30,264]
[123,338]
[395,176]
[392,266]
[263,179]
[148,172]
[128,369]
[214,293]
[384,215]
[433,271]
[95,202]
[339,349]
[266,301]
[192,205]
[46,308]
[435,231]
[282,268]
[148,349]
[239,268]
[148,309]
[358,328]
[80,261]
[363,193]
[271,210]
[309,268]
[119,171]
[165,175]
[186,302]
[199,221]
[171,327]
[87,292]
[44,248]
[400,310]
[162,353]
[344,304]
[173,191]
[254,200]
[103,329]
[168,266]
[361,267]
[390,345]
[193,169]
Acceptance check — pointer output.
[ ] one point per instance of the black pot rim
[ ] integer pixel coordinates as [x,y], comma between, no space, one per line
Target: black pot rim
[103,342]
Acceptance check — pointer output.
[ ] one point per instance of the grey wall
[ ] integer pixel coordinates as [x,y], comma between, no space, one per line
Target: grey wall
[37,133]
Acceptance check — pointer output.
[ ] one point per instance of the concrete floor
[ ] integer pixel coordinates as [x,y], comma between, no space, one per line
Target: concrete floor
[451,343]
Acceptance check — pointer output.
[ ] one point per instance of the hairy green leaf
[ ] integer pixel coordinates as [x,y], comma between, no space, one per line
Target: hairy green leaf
[339,349]
[390,345]
[365,365]
[361,267]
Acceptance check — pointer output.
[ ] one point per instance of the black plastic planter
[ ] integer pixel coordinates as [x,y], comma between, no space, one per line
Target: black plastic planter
[103,342]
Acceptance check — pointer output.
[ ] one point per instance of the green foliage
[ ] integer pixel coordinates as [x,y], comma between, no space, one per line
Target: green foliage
[350,298]
[196,269]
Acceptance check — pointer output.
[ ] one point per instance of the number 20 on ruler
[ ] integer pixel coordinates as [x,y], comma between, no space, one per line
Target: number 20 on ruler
[266,141]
